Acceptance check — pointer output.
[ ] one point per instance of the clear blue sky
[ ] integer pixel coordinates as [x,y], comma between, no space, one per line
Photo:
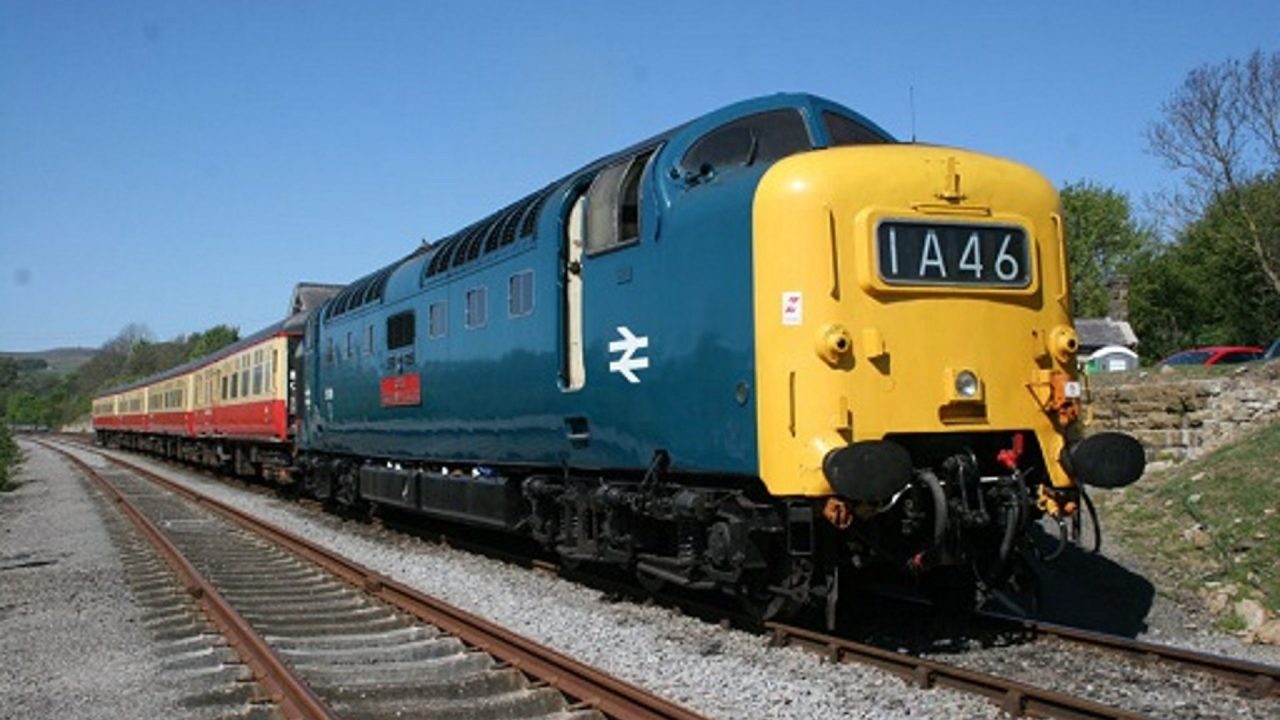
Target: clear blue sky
[182,164]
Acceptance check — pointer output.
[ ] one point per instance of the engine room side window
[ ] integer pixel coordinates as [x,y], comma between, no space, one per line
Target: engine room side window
[520,294]
[847,131]
[477,308]
[613,205]
[400,330]
[438,319]
[760,138]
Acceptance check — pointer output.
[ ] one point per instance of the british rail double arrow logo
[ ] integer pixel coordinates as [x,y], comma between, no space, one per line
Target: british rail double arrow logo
[628,363]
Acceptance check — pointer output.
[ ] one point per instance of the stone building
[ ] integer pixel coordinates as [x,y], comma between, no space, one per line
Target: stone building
[1108,344]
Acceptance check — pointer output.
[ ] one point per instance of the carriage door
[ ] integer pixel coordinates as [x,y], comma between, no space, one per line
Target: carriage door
[296,361]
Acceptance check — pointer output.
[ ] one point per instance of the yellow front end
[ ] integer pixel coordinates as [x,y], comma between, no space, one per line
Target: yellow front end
[845,355]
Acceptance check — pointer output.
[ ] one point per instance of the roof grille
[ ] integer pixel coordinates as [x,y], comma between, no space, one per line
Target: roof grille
[495,231]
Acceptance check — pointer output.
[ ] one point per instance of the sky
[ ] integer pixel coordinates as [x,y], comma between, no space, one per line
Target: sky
[184,164]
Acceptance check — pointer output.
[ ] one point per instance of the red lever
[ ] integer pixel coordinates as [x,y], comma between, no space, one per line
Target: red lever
[1010,456]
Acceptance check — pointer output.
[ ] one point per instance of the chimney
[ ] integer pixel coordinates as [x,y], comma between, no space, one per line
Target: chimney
[1118,298]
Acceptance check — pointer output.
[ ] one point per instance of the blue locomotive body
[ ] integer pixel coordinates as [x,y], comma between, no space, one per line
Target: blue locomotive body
[485,323]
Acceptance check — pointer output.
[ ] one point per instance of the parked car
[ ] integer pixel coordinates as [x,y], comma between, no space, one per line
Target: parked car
[1215,355]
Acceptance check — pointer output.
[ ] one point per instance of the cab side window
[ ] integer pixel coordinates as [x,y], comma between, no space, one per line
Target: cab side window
[613,205]
[760,138]
[847,131]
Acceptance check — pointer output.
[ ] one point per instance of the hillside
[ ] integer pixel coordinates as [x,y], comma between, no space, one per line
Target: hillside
[59,360]
[1207,531]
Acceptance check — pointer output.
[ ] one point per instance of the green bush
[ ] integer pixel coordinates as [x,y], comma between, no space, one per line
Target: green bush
[8,456]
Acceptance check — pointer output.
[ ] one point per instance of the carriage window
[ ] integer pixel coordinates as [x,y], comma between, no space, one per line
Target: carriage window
[847,131]
[400,330]
[613,205]
[760,138]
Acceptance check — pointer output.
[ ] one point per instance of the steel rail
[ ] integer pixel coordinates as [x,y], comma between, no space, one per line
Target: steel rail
[294,698]
[591,687]
[1256,680]
[1015,698]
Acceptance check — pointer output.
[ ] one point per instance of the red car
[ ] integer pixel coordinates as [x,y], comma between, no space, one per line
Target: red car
[1215,355]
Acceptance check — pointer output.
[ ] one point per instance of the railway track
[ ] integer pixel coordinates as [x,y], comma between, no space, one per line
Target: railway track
[329,638]
[1253,680]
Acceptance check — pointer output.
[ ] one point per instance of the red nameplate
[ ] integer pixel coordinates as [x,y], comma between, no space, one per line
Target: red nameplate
[400,390]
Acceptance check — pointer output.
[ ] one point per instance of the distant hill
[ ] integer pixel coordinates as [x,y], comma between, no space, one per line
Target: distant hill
[60,360]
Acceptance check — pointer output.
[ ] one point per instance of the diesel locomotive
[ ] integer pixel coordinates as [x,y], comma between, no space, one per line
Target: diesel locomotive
[763,353]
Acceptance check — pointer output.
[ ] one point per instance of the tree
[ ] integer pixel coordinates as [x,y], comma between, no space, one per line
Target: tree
[211,340]
[148,358]
[1199,290]
[8,372]
[1103,241]
[1221,130]
[129,335]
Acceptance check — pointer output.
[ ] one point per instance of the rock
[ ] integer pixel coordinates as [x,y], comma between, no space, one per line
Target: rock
[1252,613]
[1268,633]
[1217,602]
[1197,535]
[1198,476]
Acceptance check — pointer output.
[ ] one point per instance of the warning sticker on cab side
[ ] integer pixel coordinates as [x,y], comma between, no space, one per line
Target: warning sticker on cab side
[792,307]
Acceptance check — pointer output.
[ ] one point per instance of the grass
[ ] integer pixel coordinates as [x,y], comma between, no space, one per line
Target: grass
[9,456]
[1209,523]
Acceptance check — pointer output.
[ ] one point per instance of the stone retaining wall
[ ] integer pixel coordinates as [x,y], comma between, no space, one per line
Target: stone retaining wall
[1181,414]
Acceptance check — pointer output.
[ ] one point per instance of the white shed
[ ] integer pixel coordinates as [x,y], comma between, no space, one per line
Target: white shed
[1110,358]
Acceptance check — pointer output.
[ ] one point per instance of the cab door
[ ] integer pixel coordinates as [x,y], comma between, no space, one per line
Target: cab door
[607,284]
[573,373]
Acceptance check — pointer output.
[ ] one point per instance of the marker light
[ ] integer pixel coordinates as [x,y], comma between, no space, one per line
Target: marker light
[967,384]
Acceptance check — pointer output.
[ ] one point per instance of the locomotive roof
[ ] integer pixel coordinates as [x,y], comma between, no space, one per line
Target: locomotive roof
[519,219]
